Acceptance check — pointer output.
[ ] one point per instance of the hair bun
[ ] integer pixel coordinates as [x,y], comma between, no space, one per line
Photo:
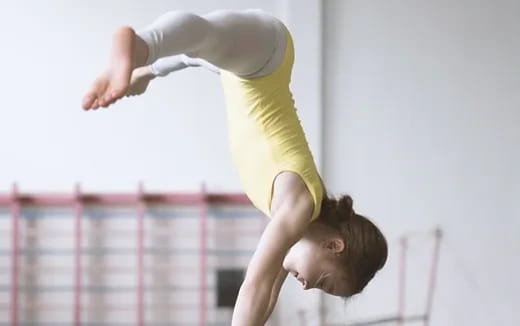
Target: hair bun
[344,207]
[344,203]
[337,210]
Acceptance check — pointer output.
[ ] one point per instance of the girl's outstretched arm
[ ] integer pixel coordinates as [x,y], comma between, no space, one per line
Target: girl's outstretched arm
[275,292]
[285,229]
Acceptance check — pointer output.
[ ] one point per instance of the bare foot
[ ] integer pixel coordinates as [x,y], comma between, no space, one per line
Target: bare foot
[139,81]
[113,83]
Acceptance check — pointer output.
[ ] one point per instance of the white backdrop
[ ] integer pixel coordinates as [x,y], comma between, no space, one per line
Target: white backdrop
[173,138]
[422,127]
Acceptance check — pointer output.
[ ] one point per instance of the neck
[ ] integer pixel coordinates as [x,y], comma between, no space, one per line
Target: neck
[318,231]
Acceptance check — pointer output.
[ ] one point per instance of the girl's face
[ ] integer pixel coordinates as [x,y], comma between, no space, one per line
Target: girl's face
[313,264]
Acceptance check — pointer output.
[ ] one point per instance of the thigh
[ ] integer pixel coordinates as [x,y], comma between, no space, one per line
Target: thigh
[243,41]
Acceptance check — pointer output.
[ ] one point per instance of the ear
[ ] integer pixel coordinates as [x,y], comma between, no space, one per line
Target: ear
[337,245]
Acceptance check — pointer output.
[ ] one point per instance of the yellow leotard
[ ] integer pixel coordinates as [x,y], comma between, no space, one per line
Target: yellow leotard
[265,134]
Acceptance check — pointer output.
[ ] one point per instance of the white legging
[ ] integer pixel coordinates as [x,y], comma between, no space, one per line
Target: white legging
[249,43]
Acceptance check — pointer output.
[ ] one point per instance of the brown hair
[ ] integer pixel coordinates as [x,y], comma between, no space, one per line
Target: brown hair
[365,250]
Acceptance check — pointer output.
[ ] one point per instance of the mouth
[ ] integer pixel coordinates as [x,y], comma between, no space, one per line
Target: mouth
[301,280]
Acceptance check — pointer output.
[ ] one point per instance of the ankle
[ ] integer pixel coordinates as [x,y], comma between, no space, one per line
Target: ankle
[146,71]
[141,52]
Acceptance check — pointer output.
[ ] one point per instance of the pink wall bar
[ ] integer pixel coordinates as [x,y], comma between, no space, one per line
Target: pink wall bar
[78,212]
[402,281]
[60,200]
[13,201]
[433,275]
[203,257]
[78,200]
[141,208]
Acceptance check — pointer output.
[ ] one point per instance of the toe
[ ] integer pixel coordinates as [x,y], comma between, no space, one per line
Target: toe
[95,105]
[117,92]
[107,101]
[104,100]
[88,100]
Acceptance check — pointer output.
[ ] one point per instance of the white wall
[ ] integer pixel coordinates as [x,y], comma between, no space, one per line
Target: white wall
[421,116]
[420,126]
[173,138]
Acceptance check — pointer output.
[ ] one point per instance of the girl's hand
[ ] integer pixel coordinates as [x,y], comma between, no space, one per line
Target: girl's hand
[285,228]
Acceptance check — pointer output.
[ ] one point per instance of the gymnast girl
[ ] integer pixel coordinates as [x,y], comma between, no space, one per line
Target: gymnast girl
[316,238]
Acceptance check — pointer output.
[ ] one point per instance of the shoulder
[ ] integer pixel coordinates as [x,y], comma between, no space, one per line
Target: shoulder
[290,194]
